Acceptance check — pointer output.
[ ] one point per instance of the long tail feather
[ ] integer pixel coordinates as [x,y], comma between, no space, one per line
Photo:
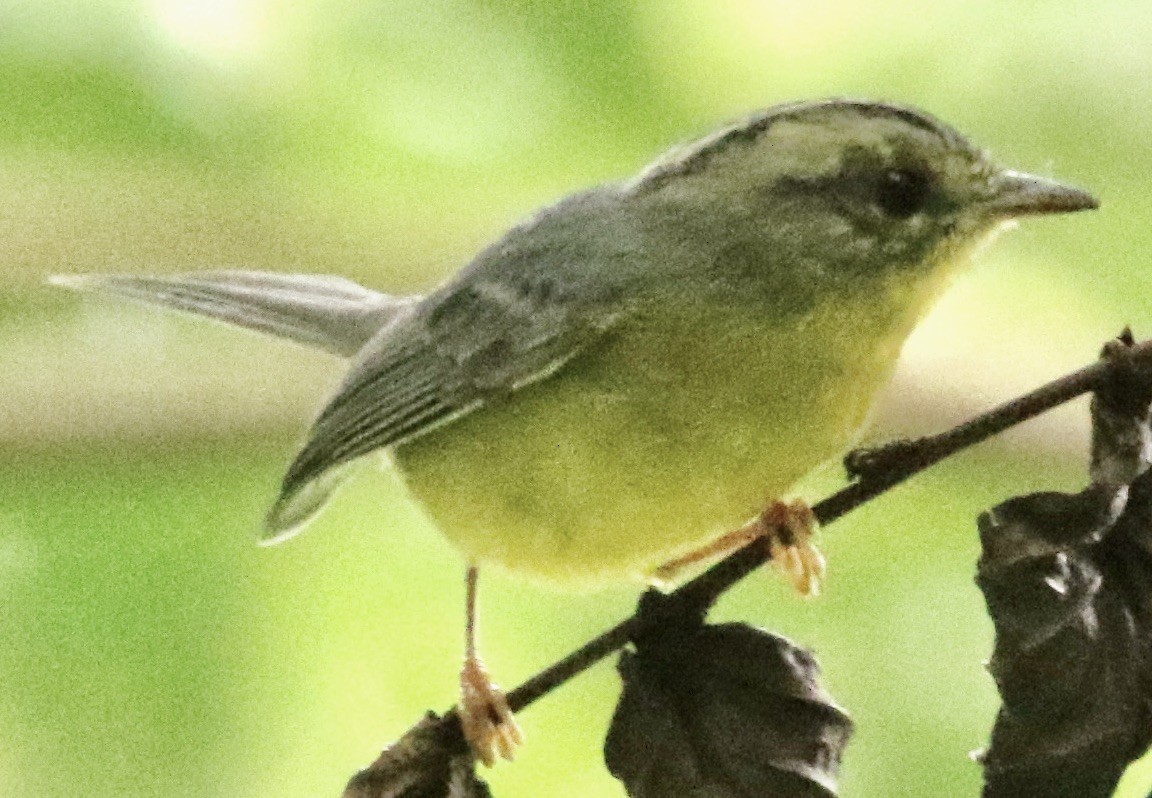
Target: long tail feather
[321,311]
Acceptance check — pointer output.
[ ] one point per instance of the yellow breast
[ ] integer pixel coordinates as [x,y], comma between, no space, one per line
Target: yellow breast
[671,433]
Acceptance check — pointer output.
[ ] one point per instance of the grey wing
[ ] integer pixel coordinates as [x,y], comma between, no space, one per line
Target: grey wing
[460,348]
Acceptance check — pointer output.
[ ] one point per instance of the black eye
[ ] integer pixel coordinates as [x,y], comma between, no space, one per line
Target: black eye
[903,192]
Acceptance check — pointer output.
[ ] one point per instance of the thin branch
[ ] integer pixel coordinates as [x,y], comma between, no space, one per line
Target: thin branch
[878,470]
[875,471]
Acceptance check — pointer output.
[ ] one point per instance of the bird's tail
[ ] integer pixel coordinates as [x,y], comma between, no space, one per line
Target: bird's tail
[321,311]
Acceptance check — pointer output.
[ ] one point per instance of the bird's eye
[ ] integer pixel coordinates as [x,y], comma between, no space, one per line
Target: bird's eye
[903,192]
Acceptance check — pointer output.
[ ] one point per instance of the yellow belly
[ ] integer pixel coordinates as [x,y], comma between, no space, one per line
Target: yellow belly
[655,443]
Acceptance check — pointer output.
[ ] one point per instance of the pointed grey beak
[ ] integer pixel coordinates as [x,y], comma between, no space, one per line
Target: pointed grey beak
[1018,194]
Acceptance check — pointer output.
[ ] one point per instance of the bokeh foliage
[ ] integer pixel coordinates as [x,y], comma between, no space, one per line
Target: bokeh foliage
[148,648]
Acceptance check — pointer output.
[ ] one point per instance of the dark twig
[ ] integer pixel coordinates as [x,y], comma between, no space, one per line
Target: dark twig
[875,471]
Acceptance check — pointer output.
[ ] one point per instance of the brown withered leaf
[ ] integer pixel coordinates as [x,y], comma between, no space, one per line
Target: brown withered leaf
[429,761]
[722,711]
[1068,583]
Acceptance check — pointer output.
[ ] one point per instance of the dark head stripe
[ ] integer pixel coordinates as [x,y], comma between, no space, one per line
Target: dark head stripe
[695,158]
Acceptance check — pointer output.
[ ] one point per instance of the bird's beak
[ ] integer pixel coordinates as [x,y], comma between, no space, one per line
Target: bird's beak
[1017,194]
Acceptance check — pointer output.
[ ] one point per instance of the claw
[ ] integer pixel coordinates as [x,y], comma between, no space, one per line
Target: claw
[789,529]
[485,717]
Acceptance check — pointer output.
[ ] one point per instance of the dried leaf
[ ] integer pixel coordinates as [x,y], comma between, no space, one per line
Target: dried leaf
[1121,436]
[429,761]
[721,711]
[1068,583]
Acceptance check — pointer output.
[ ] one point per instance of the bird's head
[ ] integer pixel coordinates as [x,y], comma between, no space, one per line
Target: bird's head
[847,188]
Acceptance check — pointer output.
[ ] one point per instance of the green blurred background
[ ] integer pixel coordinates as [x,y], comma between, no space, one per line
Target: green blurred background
[148,648]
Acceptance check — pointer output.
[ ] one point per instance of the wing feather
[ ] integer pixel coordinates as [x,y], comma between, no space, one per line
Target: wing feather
[457,351]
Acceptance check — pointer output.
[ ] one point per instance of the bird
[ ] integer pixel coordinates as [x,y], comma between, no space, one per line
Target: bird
[631,380]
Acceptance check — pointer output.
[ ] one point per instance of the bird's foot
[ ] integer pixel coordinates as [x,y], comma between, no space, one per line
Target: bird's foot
[485,717]
[789,528]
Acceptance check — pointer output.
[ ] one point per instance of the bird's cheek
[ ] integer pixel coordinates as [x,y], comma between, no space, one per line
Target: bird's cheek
[963,242]
[986,236]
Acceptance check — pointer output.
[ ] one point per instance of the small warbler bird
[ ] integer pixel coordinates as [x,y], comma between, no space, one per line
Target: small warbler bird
[641,368]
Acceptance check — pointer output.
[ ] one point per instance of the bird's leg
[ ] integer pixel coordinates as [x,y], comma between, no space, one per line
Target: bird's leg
[485,717]
[669,572]
[788,528]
